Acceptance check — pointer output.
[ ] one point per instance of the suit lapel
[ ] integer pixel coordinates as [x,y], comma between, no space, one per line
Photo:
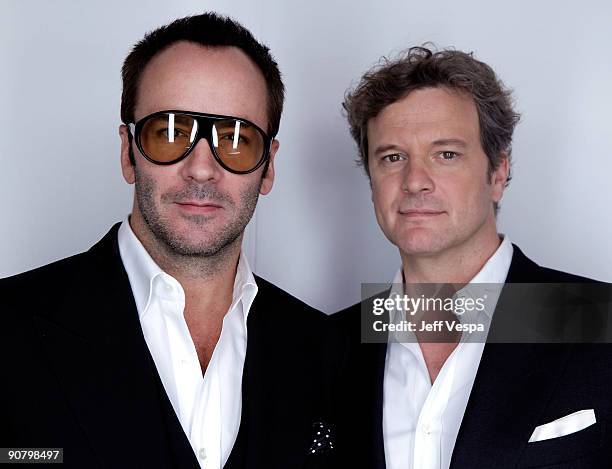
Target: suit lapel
[512,386]
[251,389]
[96,347]
[252,445]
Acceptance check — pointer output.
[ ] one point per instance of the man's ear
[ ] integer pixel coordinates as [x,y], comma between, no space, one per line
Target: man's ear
[268,178]
[499,177]
[127,168]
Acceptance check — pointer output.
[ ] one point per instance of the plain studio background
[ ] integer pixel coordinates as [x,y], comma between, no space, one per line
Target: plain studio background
[315,235]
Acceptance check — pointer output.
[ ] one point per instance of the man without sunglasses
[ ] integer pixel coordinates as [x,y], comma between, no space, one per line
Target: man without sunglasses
[159,347]
[434,131]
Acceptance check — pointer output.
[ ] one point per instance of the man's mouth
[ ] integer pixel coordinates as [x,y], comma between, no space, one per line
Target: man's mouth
[198,206]
[421,213]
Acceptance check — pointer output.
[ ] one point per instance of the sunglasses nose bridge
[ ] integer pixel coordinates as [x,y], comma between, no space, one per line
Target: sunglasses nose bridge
[206,130]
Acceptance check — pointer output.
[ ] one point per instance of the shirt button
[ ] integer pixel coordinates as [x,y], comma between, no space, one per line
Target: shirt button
[202,454]
[426,429]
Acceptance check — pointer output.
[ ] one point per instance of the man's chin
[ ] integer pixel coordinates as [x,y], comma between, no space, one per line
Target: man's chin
[194,229]
[194,221]
[420,251]
[421,244]
[187,241]
[190,249]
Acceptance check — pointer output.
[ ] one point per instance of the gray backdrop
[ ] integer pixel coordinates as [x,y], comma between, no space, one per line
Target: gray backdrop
[315,235]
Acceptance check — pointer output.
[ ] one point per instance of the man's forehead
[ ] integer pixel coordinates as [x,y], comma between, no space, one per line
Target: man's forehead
[187,56]
[216,80]
[433,109]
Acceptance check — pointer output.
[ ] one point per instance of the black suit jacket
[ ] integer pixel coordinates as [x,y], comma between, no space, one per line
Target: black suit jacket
[517,388]
[77,373]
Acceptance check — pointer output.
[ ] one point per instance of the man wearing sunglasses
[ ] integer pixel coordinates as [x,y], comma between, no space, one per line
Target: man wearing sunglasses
[163,349]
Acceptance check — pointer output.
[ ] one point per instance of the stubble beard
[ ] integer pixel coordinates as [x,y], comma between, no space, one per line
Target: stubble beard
[173,242]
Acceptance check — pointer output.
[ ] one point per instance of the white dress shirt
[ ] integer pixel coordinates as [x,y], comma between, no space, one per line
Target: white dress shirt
[421,421]
[208,407]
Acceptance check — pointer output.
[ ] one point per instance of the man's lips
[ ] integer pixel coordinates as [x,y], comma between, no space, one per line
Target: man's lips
[420,213]
[198,206]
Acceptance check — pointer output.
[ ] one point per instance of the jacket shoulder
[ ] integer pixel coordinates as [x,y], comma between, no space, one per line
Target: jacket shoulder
[44,290]
[351,314]
[348,315]
[281,305]
[45,272]
[524,270]
[27,288]
[72,268]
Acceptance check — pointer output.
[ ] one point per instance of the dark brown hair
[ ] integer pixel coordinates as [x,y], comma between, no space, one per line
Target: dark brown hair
[207,29]
[420,67]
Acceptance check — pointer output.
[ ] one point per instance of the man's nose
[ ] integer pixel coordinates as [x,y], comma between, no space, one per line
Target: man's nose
[201,165]
[417,177]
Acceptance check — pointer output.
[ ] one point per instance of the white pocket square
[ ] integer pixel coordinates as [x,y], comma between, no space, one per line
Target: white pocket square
[564,426]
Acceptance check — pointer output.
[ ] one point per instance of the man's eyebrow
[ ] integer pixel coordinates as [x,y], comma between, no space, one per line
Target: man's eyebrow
[449,141]
[384,148]
[436,143]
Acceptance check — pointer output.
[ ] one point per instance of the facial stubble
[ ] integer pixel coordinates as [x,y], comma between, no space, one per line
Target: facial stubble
[176,244]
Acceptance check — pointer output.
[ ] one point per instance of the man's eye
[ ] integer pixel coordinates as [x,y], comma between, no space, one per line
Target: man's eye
[392,158]
[448,155]
[166,133]
[230,137]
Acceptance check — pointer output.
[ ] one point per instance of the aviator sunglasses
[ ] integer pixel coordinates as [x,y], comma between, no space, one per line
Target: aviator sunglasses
[167,137]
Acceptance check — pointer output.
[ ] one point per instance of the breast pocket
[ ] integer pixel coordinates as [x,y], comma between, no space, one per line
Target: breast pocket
[580,444]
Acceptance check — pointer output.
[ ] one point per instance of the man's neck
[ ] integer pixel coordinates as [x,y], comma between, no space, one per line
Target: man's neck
[457,265]
[208,281]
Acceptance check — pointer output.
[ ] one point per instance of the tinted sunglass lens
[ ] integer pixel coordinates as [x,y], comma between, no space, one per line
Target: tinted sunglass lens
[166,137]
[238,144]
